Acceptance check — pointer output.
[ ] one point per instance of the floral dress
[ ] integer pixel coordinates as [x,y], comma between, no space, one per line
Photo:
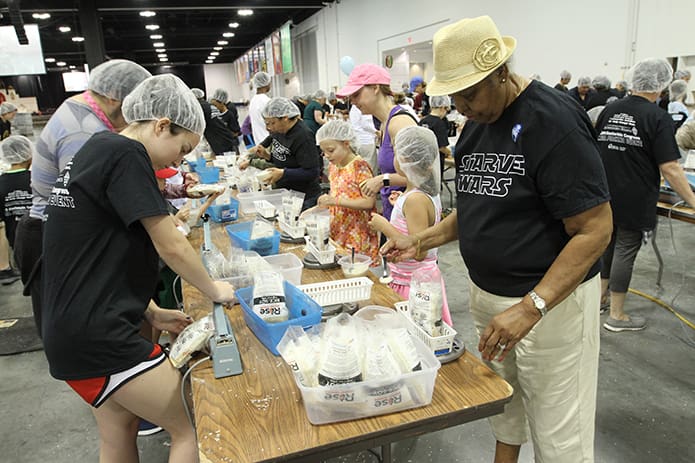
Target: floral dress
[350,227]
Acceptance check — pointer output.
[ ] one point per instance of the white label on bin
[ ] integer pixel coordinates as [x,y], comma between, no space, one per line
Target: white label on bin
[394,395]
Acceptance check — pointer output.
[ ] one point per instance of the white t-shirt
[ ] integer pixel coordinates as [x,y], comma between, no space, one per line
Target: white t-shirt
[256,106]
[363,125]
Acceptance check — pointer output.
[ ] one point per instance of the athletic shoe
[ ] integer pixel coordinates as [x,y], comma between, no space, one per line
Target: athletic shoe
[635,323]
[9,276]
[145,428]
[605,305]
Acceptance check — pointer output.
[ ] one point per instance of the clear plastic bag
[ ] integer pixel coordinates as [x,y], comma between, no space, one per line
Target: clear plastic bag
[426,300]
[340,361]
[269,297]
[192,339]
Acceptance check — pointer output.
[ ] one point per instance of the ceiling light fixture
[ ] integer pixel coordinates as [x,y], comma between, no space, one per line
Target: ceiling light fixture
[158,44]
[78,39]
[217,48]
[156,37]
[234,25]
[50,60]
[41,15]
[162,55]
[209,61]
[64,29]
[163,60]
[222,42]
[245,12]
[152,27]
[228,34]
[147,14]
[161,50]
[214,53]
[72,67]
[61,63]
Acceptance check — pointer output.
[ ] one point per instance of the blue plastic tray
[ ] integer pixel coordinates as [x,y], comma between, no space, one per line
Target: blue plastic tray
[304,312]
[224,212]
[240,234]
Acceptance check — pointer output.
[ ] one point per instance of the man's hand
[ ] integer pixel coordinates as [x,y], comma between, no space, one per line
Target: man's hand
[506,329]
[261,152]
[274,175]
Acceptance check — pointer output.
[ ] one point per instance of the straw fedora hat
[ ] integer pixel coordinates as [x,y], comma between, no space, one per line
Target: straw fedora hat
[465,53]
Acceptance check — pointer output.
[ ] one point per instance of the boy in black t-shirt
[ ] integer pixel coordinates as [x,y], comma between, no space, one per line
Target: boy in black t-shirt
[15,195]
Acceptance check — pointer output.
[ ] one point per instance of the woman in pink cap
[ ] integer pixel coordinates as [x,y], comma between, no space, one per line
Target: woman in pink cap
[369,89]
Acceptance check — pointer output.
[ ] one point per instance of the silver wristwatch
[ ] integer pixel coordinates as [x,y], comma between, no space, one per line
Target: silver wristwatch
[538,303]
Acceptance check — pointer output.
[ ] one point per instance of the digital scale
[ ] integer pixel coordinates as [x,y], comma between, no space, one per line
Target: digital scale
[313,263]
[285,238]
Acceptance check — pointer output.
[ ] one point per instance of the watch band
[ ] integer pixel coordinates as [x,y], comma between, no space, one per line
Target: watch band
[538,303]
[387,180]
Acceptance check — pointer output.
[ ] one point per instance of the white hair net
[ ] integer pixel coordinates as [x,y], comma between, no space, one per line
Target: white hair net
[418,156]
[261,79]
[116,78]
[442,101]
[220,95]
[678,89]
[280,107]
[198,93]
[601,82]
[583,81]
[6,108]
[337,130]
[161,96]
[565,75]
[682,74]
[331,96]
[319,94]
[16,149]
[650,75]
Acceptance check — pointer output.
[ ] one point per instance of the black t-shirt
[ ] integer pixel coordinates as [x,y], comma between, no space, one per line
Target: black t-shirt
[516,179]
[635,136]
[99,263]
[15,199]
[600,98]
[218,135]
[231,118]
[5,129]
[296,152]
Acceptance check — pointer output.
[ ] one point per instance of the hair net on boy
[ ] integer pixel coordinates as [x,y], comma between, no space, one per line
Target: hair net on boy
[442,101]
[650,75]
[6,108]
[601,82]
[116,78]
[280,107]
[16,149]
[220,95]
[678,89]
[418,156]
[319,94]
[681,74]
[583,81]
[261,79]
[161,96]
[337,130]
[198,93]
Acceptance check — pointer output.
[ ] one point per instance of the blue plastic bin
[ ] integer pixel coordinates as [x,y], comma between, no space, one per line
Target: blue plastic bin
[304,312]
[224,212]
[208,174]
[240,234]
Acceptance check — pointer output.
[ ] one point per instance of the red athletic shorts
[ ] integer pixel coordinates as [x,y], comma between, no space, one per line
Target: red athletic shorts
[95,391]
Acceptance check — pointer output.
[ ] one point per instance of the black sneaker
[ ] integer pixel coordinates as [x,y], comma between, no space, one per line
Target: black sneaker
[9,276]
[147,429]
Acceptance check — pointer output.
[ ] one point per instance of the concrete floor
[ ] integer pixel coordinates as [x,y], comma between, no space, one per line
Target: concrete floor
[646,391]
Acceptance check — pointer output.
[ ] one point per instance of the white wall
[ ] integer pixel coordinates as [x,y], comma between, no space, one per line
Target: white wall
[588,38]
[223,76]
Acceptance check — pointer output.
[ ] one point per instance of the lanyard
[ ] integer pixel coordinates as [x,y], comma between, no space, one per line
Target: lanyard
[98,111]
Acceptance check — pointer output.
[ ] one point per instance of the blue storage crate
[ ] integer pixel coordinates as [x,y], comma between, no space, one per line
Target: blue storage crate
[208,174]
[224,212]
[304,312]
[240,234]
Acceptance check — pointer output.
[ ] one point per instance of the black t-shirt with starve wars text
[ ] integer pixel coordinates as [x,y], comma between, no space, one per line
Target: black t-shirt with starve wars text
[516,179]
[99,264]
[635,136]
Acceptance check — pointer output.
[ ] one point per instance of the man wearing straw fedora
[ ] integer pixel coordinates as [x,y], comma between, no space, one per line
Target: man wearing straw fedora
[532,220]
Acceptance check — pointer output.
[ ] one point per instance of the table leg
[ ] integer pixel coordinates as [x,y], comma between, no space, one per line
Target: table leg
[386,453]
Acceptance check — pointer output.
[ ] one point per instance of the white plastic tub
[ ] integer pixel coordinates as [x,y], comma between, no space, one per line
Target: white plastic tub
[439,345]
[288,265]
[246,200]
[339,291]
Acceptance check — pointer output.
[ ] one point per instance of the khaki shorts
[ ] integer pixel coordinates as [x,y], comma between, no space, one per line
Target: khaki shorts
[554,373]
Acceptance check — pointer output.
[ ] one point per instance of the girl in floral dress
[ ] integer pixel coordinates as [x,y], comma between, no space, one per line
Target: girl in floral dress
[350,211]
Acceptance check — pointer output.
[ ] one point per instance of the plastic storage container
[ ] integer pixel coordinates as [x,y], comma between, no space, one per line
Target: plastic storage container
[288,265]
[297,231]
[356,266]
[240,234]
[324,257]
[440,345]
[339,291]
[208,174]
[265,208]
[224,212]
[304,312]
[246,200]
[343,402]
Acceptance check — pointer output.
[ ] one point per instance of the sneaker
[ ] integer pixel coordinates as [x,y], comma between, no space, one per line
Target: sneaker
[605,305]
[145,428]
[9,276]
[635,323]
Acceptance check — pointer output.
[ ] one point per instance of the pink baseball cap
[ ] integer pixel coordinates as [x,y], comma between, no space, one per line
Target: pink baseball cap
[365,74]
